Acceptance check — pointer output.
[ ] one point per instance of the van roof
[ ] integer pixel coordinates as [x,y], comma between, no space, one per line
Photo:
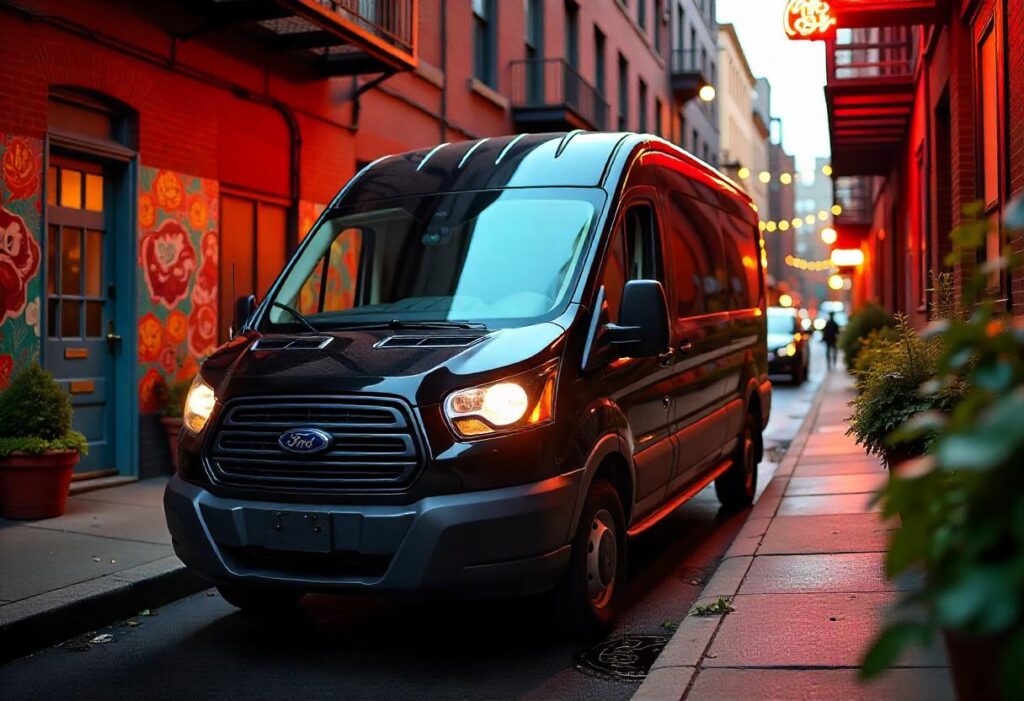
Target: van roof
[561,159]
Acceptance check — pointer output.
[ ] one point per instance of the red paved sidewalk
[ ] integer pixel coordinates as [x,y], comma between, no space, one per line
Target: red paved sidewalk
[807,584]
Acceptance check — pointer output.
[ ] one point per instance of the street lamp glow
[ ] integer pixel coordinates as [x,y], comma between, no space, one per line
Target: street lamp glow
[743,173]
[764,176]
[707,93]
[785,300]
[835,282]
[786,179]
[809,219]
[826,170]
[847,257]
[837,209]
[822,215]
[829,235]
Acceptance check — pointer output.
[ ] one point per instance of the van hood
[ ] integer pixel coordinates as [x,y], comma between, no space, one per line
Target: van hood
[375,361]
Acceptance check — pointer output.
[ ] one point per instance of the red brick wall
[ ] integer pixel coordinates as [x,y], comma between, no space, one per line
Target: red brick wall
[1015,30]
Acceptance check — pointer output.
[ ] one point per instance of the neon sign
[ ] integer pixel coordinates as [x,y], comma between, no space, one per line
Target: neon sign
[809,19]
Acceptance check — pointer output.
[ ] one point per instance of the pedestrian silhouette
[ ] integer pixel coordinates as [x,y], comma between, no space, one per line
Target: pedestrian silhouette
[830,335]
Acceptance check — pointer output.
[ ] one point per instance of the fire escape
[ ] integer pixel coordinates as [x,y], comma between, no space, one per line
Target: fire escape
[337,37]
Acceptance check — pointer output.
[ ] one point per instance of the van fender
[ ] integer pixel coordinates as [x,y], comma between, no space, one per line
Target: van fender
[608,444]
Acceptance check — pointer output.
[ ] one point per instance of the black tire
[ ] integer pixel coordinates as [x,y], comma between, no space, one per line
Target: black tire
[736,487]
[588,606]
[261,601]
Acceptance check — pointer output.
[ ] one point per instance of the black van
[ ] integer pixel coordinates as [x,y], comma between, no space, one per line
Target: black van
[487,366]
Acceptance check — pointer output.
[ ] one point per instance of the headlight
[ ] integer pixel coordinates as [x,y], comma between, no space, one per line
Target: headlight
[198,405]
[786,350]
[519,402]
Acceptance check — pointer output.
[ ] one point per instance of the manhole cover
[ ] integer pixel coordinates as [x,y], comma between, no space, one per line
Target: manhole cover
[625,658]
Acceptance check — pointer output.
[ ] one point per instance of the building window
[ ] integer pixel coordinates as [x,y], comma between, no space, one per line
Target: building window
[572,33]
[248,226]
[533,13]
[657,117]
[693,144]
[989,145]
[484,44]
[641,13]
[657,26]
[599,61]
[680,27]
[623,93]
[642,113]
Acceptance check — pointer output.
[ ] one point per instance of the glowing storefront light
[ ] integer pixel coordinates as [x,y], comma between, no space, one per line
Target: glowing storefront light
[808,19]
[847,257]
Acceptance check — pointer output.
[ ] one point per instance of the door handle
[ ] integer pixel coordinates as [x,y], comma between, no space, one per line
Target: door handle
[113,338]
[665,359]
[685,346]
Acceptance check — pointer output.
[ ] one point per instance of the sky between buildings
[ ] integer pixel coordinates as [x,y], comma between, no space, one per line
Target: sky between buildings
[796,70]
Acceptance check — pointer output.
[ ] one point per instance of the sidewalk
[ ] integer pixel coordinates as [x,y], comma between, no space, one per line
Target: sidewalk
[807,583]
[108,556]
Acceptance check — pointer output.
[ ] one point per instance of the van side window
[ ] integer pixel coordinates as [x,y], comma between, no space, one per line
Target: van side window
[641,237]
[613,278]
[697,257]
[741,257]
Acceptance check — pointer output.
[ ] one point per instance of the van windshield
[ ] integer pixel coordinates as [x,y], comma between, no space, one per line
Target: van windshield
[499,258]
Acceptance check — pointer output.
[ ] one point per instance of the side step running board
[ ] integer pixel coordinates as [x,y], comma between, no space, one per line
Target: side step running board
[678,500]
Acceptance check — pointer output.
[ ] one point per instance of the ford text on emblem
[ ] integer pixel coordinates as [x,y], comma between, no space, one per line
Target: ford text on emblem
[304,440]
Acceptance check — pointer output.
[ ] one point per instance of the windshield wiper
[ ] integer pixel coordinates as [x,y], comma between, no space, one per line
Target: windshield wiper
[399,324]
[297,314]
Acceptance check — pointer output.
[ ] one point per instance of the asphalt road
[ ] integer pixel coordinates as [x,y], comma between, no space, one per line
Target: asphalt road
[346,647]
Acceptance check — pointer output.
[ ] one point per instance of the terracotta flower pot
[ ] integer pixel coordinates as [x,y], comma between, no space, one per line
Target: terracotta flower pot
[172,424]
[35,486]
[975,664]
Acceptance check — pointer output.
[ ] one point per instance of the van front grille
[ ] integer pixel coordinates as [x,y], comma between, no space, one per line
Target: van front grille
[374,444]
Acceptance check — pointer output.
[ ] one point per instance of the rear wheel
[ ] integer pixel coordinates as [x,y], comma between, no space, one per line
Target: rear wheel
[263,601]
[589,594]
[736,486]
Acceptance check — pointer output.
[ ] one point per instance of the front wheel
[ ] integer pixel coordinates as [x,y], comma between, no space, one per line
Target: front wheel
[261,601]
[736,486]
[591,589]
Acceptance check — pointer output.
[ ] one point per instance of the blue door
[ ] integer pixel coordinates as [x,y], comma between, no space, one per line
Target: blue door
[80,335]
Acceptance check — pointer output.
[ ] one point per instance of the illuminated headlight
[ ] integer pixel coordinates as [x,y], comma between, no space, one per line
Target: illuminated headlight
[198,406]
[519,402]
[786,350]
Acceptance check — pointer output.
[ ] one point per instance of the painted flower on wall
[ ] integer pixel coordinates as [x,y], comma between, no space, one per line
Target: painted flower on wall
[19,261]
[6,366]
[202,330]
[188,370]
[205,290]
[169,360]
[177,327]
[147,211]
[168,190]
[151,338]
[198,212]
[168,261]
[152,391]
[21,167]
[32,315]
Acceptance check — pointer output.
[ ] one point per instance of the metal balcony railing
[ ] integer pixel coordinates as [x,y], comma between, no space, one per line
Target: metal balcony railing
[854,194]
[688,61]
[392,21]
[878,53]
[554,84]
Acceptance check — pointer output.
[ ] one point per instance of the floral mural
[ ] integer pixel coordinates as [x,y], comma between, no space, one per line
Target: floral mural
[178,247]
[21,170]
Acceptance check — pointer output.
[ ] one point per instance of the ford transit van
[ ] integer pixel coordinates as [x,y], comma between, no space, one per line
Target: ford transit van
[486,367]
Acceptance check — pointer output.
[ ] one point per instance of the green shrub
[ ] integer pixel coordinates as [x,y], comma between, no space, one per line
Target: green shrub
[865,320]
[961,506]
[35,415]
[174,401]
[890,380]
[874,346]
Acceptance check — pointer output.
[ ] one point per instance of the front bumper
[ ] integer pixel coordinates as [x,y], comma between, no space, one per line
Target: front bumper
[498,542]
[783,365]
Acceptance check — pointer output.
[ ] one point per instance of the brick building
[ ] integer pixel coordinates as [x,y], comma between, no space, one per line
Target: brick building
[150,149]
[926,109]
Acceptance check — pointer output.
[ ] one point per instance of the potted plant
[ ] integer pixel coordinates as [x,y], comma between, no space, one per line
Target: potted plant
[171,419]
[863,321]
[38,448]
[962,504]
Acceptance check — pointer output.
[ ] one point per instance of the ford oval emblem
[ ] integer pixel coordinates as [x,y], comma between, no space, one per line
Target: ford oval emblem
[305,440]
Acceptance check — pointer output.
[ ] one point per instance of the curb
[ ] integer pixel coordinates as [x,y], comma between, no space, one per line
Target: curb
[34,623]
[673,670]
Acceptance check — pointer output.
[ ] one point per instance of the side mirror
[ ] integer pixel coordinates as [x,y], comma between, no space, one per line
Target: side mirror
[244,307]
[642,331]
